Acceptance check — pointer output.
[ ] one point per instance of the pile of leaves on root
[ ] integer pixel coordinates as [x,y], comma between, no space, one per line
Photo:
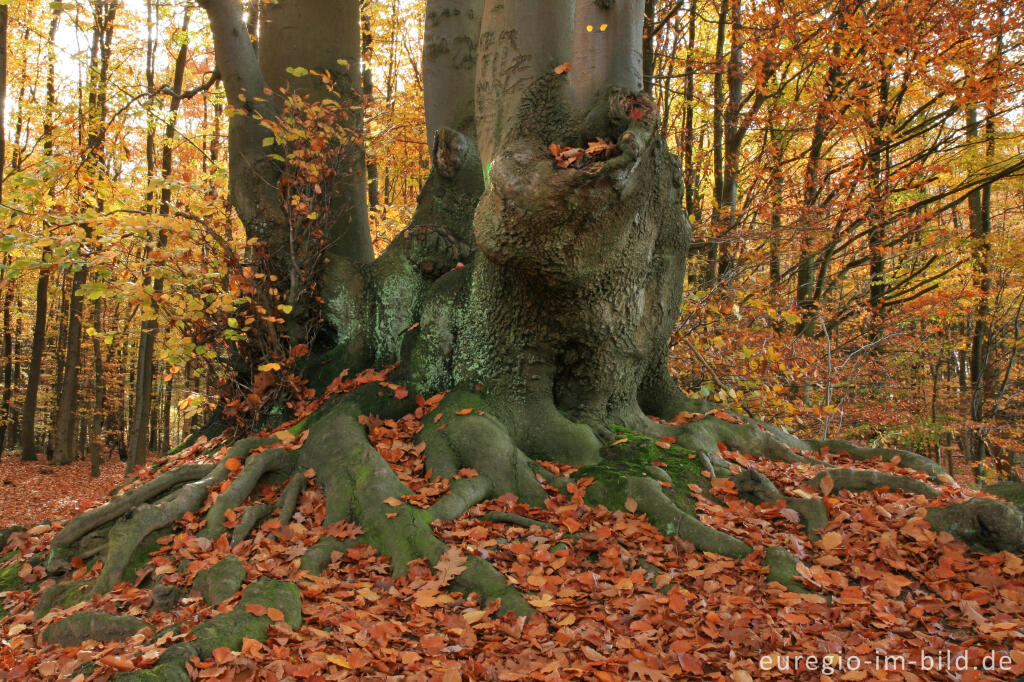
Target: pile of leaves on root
[614,598]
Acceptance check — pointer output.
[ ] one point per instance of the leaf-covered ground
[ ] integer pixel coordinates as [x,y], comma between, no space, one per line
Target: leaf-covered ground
[33,491]
[615,599]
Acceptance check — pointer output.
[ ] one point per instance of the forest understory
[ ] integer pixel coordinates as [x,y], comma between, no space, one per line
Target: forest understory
[237,590]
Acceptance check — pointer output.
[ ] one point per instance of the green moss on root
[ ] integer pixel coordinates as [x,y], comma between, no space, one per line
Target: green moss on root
[635,457]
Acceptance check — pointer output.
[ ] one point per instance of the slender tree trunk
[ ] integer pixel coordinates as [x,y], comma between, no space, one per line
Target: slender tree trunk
[138,442]
[877,208]
[99,391]
[165,416]
[14,434]
[372,190]
[650,7]
[718,147]
[8,364]
[807,260]
[690,184]
[28,409]
[979,207]
[104,12]
[733,139]
[64,420]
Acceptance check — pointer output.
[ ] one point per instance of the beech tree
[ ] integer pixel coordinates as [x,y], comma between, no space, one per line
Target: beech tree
[538,283]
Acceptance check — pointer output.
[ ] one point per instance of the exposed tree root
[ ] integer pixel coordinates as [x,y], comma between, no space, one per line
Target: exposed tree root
[226,630]
[83,524]
[860,480]
[357,481]
[642,472]
[255,468]
[515,520]
[985,524]
[671,520]
[290,498]
[251,517]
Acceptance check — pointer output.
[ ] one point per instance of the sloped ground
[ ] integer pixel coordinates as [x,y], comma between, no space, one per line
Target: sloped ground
[615,599]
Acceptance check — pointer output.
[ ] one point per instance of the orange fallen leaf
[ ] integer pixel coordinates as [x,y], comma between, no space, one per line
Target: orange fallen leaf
[118,663]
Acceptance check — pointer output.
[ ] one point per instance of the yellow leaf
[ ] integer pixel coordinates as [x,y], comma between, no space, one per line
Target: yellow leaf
[473,615]
[269,367]
[392,502]
[545,601]
[339,661]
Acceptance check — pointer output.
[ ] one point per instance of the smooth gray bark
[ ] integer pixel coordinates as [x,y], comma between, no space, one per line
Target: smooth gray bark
[519,42]
[607,48]
[324,36]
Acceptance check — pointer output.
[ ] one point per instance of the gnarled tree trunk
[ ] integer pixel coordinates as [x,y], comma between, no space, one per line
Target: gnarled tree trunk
[539,287]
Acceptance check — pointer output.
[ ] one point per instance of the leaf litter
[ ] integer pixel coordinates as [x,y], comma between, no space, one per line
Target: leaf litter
[615,599]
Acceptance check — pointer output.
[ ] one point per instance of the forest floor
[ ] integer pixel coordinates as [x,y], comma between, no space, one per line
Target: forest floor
[615,599]
[31,492]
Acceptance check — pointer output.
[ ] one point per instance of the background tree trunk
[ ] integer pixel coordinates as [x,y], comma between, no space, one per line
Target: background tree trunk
[138,442]
[104,12]
[295,34]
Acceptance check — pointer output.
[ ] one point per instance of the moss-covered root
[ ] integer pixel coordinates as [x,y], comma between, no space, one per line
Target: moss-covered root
[910,460]
[671,520]
[290,498]
[357,481]
[255,468]
[986,525]
[476,440]
[226,630]
[704,435]
[1011,491]
[252,515]
[129,533]
[63,545]
[662,398]
[781,566]
[756,488]
[860,480]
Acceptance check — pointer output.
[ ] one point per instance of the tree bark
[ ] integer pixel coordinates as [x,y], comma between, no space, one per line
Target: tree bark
[607,49]
[449,61]
[296,33]
[8,365]
[96,439]
[29,405]
[519,43]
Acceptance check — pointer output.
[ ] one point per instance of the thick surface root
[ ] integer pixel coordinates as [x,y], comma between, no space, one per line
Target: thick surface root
[360,485]
[255,468]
